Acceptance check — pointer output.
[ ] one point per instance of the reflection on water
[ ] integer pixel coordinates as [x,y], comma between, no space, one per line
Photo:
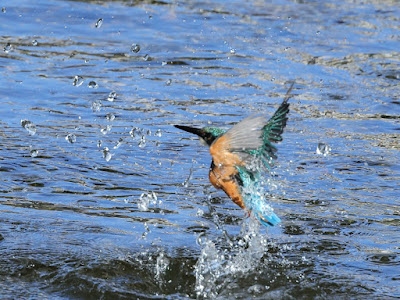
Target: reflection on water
[100,196]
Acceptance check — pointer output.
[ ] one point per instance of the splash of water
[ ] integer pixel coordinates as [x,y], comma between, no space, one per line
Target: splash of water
[222,262]
[147,199]
[162,265]
[219,263]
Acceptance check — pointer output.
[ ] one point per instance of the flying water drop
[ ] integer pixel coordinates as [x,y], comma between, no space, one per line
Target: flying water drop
[93,85]
[199,212]
[147,231]
[70,138]
[34,152]
[111,96]
[3,10]
[135,131]
[323,149]
[146,57]
[99,23]
[119,143]
[7,48]
[186,182]
[106,154]
[106,130]
[29,126]
[110,117]
[158,133]
[34,43]
[96,105]
[78,80]
[135,48]
[142,142]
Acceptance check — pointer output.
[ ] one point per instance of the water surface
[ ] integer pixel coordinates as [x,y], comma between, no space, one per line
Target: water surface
[101,197]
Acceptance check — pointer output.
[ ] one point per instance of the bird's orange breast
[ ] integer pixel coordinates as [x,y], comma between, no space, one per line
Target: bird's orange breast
[223,170]
[224,178]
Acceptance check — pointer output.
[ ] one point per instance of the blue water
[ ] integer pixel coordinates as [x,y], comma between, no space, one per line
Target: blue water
[124,209]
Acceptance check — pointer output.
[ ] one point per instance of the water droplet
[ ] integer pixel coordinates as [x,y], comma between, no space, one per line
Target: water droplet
[110,117]
[146,57]
[3,9]
[287,48]
[135,48]
[34,43]
[187,180]
[134,132]
[34,152]
[168,82]
[96,105]
[143,203]
[111,96]
[158,133]
[99,143]
[29,126]
[200,212]
[233,51]
[8,48]
[93,85]
[106,130]
[142,142]
[323,149]
[120,142]
[106,154]
[148,132]
[318,32]
[78,80]
[164,63]
[70,138]
[99,23]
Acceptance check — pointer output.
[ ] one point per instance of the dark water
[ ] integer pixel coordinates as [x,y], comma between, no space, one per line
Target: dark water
[105,199]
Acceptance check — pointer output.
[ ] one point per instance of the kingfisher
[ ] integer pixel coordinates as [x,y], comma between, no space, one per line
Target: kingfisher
[241,153]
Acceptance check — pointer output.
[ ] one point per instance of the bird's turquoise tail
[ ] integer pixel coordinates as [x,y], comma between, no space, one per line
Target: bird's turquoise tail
[268,218]
[254,198]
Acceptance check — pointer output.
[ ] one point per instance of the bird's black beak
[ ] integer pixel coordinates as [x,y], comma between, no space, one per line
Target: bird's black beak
[206,136]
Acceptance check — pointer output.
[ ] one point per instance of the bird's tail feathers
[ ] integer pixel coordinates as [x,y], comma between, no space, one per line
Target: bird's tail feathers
[268,220]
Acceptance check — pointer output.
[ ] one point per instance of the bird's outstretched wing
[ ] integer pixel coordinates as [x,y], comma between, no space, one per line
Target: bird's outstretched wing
[253,138]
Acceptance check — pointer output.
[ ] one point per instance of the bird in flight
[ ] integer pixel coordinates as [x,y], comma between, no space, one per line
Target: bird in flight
[240,153]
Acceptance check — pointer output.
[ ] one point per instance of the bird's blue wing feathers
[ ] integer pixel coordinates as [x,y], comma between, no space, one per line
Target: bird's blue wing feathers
[269,132]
